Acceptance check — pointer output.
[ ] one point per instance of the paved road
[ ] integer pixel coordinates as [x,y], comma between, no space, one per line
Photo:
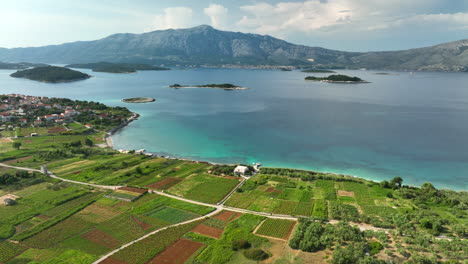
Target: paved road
[218,208]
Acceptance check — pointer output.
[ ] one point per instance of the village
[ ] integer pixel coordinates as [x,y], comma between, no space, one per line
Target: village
[19,111]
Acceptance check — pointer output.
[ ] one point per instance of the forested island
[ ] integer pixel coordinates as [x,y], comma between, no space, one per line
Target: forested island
[51,74]
[117,67]
[336,78]
[225,86]
[138,100]
[317,71]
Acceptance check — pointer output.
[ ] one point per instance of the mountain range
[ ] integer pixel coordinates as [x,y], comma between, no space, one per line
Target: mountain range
[205,45]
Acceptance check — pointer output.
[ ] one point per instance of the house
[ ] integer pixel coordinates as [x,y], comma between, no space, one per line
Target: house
[37,122]
[241,170]
[59,121]
[23,121]
[5,117]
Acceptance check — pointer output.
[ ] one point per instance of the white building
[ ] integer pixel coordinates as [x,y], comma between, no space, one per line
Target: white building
[241,170]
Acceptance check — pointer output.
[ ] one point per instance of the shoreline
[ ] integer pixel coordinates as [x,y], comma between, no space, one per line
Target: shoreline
[135,116]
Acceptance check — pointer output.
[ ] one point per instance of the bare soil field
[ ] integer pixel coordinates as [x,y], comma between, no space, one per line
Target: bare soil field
[177,253]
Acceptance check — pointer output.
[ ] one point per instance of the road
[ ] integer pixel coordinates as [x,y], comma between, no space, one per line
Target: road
[152,233]
[218,208]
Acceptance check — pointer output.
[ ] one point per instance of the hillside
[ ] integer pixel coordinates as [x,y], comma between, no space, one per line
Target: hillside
[206,45]
[51,74]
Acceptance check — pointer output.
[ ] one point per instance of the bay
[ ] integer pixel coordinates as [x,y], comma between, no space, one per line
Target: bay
[412,125]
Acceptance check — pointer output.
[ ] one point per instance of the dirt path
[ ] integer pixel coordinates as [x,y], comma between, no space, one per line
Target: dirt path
[154,232]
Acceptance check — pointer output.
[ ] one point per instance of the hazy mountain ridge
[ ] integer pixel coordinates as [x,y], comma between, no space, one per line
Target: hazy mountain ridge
[206,45]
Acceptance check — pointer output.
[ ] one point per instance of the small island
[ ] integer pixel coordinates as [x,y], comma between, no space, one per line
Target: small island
[336,78]
[317,71]
[225,86]
[51,74]
[117,67]
[138,100]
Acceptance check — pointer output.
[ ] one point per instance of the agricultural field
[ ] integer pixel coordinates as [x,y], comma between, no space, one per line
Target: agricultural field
[204,188]
[278,195]
[57,220]
[278,228]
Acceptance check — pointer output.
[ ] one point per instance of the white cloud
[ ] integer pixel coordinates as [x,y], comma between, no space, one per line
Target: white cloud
[296,16]
[174,17]
[218,15]
[344,16]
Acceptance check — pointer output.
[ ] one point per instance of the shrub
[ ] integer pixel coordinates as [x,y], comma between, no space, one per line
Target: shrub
[240,244]
[255,254]
[375,247]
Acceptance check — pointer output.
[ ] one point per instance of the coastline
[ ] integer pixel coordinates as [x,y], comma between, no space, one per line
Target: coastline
[135,116]
[108,135]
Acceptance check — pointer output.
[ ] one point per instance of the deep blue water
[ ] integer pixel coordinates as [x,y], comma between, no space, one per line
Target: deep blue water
[410,125]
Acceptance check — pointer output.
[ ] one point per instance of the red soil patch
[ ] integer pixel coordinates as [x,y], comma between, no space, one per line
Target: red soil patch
[164,184]
[56,130]
[27,141]
[43,217]
[133,189]
[210,231]
[111,260]
[231,177]
[177,253]
[99,237]
[227,216]
[140,223]
[345,193]
[272,190]
[76,172]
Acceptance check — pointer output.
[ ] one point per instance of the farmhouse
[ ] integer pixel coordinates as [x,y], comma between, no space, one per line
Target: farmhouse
[241,170]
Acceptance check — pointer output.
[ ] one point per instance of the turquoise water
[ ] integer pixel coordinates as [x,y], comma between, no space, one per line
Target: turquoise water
[408,125]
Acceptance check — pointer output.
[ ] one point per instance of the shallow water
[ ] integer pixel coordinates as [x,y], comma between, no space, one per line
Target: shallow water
[408,125]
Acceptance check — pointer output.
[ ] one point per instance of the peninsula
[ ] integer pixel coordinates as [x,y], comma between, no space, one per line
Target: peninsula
[225,86]
[51,74]
[336,78]
[117,67]
[138,100]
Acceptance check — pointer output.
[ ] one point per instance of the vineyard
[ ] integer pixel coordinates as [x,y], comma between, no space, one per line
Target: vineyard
[278,228]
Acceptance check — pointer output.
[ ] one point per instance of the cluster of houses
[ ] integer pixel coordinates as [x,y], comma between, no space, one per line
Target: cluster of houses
[64,117]
[20,110]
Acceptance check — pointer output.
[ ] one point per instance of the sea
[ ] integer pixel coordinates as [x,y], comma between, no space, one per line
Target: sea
[412,125]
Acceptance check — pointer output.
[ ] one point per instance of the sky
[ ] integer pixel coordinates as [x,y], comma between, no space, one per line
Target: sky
[350,25]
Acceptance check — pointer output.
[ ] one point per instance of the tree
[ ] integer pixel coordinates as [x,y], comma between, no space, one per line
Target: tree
[88,142]
[396,182]
[428,187]
[349,254]
[17,145]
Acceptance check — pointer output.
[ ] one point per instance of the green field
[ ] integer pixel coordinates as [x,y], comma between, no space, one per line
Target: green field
[278,228]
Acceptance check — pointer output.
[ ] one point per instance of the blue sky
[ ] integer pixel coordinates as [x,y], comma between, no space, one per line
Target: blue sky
[353,25]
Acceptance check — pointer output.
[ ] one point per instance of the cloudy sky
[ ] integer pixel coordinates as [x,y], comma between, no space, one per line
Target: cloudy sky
[352,25]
